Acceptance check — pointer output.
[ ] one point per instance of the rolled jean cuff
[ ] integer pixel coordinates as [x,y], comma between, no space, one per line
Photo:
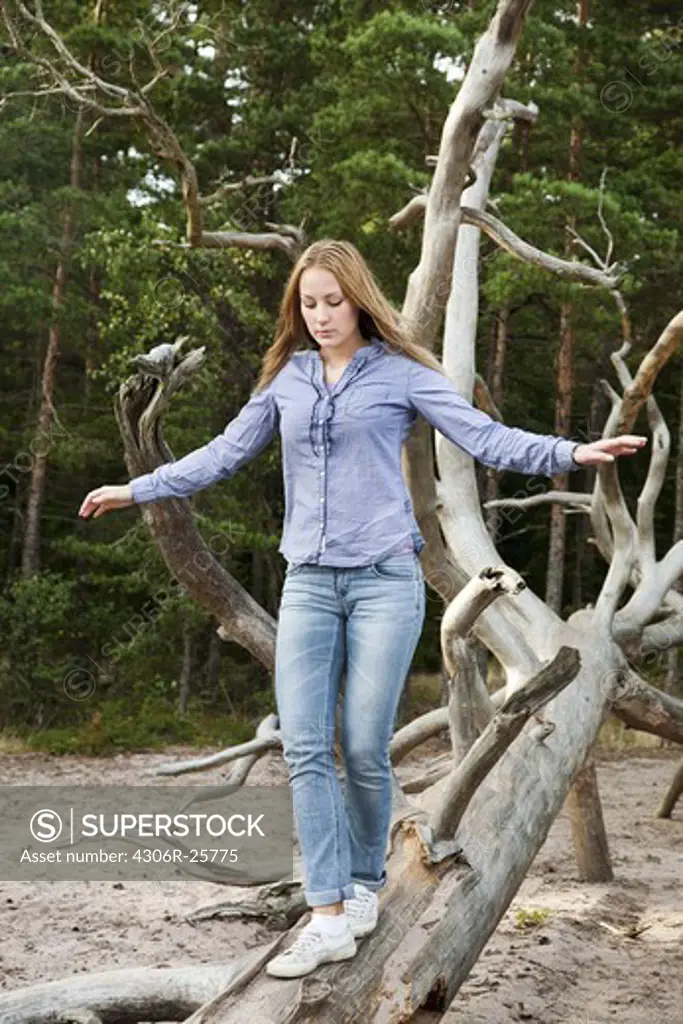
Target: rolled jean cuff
[373,886]
[325,897]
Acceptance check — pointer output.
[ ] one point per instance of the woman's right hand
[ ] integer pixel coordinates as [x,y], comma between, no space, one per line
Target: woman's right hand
[104,499]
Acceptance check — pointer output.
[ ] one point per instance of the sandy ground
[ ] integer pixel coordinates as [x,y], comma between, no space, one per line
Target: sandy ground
[580,965]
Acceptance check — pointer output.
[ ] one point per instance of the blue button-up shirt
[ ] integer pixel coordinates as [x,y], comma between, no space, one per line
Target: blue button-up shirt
[346,501]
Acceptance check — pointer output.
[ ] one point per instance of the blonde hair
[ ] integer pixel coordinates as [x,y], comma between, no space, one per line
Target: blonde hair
[376,315]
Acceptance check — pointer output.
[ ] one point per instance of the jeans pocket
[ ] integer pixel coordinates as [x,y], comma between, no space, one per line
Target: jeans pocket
[396,567]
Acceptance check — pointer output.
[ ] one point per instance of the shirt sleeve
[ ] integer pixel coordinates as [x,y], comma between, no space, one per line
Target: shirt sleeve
[485,439]
[243,438]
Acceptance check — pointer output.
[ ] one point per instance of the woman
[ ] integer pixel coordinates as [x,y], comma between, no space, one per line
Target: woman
[343,383]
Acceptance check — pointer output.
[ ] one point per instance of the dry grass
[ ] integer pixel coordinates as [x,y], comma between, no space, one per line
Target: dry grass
[614,735]
[11,744]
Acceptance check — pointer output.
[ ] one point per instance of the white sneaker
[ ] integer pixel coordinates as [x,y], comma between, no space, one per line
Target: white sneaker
[362,911]
[311,948]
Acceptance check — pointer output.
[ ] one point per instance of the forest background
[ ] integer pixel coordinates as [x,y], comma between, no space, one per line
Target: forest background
[101,652]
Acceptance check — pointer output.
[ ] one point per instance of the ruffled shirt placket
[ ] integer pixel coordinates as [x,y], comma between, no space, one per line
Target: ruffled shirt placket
[319,432]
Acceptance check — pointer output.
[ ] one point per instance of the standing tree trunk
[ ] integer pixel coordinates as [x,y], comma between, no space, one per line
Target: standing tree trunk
[495,372]
[565,361]
[563,418]
[672,656]
[47,415]
[185,669]
[15,543]
[30,561]
[585,552]
[212,668]
[92,329]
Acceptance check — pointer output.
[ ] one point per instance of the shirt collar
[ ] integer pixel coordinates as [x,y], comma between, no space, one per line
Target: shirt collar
[364,353]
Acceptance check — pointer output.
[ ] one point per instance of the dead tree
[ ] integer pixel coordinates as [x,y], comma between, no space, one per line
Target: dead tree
[463,835]
[671,797]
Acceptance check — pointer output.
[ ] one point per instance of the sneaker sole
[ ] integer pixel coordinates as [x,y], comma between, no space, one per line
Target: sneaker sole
[359,931]
[344,953]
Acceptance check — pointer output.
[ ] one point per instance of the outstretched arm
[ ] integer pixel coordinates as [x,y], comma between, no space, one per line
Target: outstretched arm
[243,438]
[494,444]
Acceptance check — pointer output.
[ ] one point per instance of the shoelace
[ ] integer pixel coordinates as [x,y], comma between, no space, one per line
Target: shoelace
[359,904]
[304,941]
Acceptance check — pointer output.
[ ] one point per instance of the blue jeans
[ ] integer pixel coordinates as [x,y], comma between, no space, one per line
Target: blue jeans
[364,623]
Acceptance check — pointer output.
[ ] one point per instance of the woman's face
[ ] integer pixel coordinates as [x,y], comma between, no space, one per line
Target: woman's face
[330,317]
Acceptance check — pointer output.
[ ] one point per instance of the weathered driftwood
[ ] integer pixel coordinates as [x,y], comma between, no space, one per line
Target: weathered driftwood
[279,905]
[268,740]
[588,827]
[641,706]
[130,994]
[469,705]
[504,727]
[572,499]
[436,910]
[630,699]
[439,769]
[512,243]
[466,695]
[78,1017]
[417,732]
[671,797]
[139,407]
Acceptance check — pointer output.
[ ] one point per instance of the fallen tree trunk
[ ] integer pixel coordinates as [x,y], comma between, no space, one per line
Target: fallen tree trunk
[443,901]
[631,699]
[129,995]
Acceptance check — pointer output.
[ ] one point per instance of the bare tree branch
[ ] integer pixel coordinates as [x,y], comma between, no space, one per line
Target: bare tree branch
[575,499]
[508,240]
[163,140]
[507,724]
[236,186]
[636,395]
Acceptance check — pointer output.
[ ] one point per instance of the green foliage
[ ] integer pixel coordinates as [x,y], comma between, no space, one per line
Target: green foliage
[114,728]
[526,920]
[365,89]
[36,663]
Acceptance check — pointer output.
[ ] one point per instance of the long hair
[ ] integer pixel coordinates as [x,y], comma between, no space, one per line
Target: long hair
[376,314]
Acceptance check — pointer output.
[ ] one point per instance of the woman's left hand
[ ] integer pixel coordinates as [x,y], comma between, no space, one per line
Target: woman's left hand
[607,448]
